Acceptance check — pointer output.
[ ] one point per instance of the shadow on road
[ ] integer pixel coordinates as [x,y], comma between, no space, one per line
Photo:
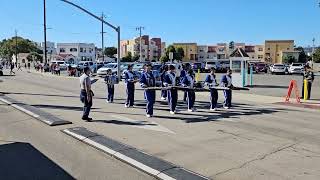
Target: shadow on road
[117,122]
[269,86]
[23,161]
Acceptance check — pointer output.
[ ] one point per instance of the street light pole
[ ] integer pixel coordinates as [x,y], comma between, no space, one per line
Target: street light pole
[140,28]
[102,38]
[117,29]
[45,32]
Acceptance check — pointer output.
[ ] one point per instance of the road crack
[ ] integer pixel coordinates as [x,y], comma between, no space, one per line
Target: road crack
[281,148]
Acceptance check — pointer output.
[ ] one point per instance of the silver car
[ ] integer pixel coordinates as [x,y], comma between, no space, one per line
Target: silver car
[278,69]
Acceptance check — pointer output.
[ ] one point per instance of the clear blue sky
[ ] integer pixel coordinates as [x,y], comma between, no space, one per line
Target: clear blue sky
[201,21]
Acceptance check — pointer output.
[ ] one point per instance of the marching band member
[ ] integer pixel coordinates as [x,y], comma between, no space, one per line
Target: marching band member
[188,81]
[226,81]
[183,74]
[212,82]
[164,72]
[130,82]
[148,80]
[170,80]
[110,80]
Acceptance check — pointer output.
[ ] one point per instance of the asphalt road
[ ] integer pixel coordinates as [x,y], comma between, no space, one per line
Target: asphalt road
[32,150]
[257,139]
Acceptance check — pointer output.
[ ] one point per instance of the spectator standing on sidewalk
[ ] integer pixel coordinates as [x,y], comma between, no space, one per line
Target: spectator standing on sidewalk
[57,69]
[19,67]
[309,76]
[86,93]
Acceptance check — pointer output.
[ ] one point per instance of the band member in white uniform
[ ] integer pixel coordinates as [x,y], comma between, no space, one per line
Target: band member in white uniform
[170,80]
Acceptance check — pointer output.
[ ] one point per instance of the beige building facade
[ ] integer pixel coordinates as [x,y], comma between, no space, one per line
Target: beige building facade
[274,50]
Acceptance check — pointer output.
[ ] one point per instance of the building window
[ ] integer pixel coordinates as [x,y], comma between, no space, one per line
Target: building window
[278,54]
[73,50]
[268,48]
[81,49]
[261,49]
[288,49]
[62,50]
[260,56]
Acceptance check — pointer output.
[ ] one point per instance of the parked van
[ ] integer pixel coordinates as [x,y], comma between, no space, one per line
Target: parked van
[63,65]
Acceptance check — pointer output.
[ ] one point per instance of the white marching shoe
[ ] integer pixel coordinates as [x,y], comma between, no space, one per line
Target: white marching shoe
[148,115]
[172,112]
[213,109]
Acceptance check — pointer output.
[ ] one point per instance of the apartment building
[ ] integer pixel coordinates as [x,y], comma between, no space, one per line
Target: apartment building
[190,51]
[275,49]
[151,49]
[255,52]
[81,51]
[207,53]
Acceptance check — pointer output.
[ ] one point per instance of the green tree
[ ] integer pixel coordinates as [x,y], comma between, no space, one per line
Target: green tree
[289,59]
[316,56]
[302,55]
[172,49]
[231,45]
[179,54]
[110,51]
[135,58]
[127,58]
[8,47]
[35,56]
[164,59]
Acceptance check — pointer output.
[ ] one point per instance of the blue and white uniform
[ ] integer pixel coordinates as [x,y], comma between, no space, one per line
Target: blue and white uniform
[212,82]
[148,80]
[226,81]
[170,80]
[110,80]
[129,80]
[188,81]
[163,92]
[183,74]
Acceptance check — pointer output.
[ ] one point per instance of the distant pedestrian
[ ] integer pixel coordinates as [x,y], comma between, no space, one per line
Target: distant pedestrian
[57,69]
[29,65]
[19,67]
[11,69]
[110,80]
[86,93]
[25,65]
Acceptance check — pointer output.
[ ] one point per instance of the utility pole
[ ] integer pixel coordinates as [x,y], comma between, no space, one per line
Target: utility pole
[140,28]
[102,37]
[16,34]
[45,32]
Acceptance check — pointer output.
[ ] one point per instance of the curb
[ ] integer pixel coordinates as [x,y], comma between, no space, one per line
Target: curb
[149,164]
[38,114]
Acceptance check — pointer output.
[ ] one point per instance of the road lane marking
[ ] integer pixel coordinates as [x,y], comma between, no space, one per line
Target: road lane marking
[154,127]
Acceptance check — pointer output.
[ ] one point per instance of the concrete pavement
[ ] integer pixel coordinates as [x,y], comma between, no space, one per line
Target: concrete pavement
[32,150]
[255,140]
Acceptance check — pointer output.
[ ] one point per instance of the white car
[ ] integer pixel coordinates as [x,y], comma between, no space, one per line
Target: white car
[103,71]
[211,64]
[296,68]
[278,69]
[90,64]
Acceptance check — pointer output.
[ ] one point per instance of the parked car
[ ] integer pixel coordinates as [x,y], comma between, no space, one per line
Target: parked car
[278,69]
[137,66]
[99,65]
[91,64]
[102,72]
[296,68]
[212,64]
[261,67]
[198,65]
